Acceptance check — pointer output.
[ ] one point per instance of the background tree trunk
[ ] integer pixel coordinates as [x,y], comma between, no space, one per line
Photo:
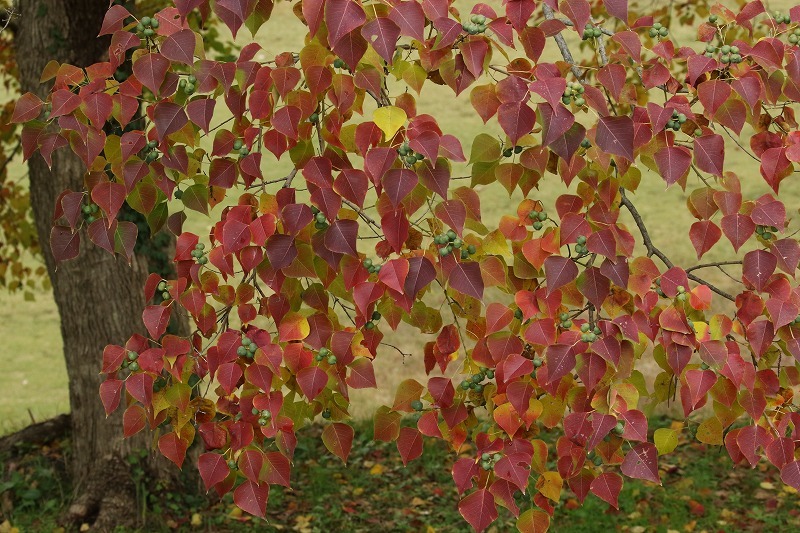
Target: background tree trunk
[99,296]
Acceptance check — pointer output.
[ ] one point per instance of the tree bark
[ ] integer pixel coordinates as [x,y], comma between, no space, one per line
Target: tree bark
[99,296]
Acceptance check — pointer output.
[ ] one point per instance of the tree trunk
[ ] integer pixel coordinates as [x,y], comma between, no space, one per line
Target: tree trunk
[99,296]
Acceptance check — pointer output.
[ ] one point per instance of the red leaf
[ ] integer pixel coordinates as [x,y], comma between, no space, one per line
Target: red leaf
[173,447]
[250,464]
[673,163]
[341,237]
[113,19]
[27,108]
[607,486]
[704,234]
[213,469]
[757,267]
[466,278]
[252,498]
[362,374]
[342,17]
[169,118]
[312,380]
[110,394]
[517,119]
[478,509]
[641,462]
[156,320]
[64,244]
[790,474]
[558,272]
[410,18]
[151,69]
[409,444]
[180,47]
[201,111]
[615,136]
[737,228]
[709,154]
[109,196]
[382,33]
[398,183]
[338,438]
[394,273]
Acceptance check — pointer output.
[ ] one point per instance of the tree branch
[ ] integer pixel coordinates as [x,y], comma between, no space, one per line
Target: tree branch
[562,44]
[652,250]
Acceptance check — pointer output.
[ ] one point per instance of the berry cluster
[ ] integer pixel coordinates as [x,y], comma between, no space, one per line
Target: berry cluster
[508,152]
[162,288]
[573,93]
[199,254]
[727,53]
[766,232]
[681,293]
[488,460]
[263,416]
[658,30]
[151,152]
[477,24]
[247,349]
[325,354]
[188,85]
[475,382]
[130,361]
[409,157]
[320,220]
[90,211]
[538,218]
[676,121]
[590,32]
[780,18]
[372,269]
[239,146]
[580,246]
[449,241]
[375,317]
[589,334]
[147,27]
[566,323]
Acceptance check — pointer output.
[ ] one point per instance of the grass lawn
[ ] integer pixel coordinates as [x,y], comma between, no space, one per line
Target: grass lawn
[700,492]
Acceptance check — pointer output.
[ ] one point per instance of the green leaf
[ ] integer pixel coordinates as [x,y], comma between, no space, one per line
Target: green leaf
[666,440]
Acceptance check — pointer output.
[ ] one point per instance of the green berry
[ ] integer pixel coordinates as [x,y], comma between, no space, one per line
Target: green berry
[162,286]
[580,102]
[486,465]
[314,118]
[338,63]
[713,19]
[376,315]
[735,49]
[465,384]
[518,314]
[237,144]
[154,24]
[232,465]
[581,240]
[564,100]
[419,157]
[182,83]
[537,362]
[793,38]
[682,118]
[133,366]
[490,374]
[585,327]
[165,295]
[369,325]
[653,32]
[725,49]
[537,225]
[496,457]
[140,28]
[711,48]
[192,78]
[457,243]
[451,235]
[736,58]
[563,316]
[252,347]
[586,143]
[332,358]
[152,144]
[477,378]
[518,149]
[704,366]
[189,89]
[255,410]
[132,356]
[318,358]
[326,414]
[619,429]
[148,32]
[508,152]
[663,32]
[657,25]
[146,21]
[241,351]
[444,250]
[416,405]
[471,250]
[244,151]
[542,216]
[566,324]
[410,160]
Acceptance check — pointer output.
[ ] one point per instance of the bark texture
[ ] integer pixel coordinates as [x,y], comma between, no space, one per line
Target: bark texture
[99,296]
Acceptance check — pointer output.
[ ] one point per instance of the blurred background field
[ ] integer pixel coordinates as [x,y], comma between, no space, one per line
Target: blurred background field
[33,381]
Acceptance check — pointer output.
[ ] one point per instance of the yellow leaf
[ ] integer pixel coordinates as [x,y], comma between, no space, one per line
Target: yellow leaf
[666,440]
[377,470]
[550,485]
[710,432]
[197,519]
[358,491]
[766,485]
[389,119]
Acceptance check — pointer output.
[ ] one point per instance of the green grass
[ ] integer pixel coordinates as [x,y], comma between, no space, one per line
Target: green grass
[701,492]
